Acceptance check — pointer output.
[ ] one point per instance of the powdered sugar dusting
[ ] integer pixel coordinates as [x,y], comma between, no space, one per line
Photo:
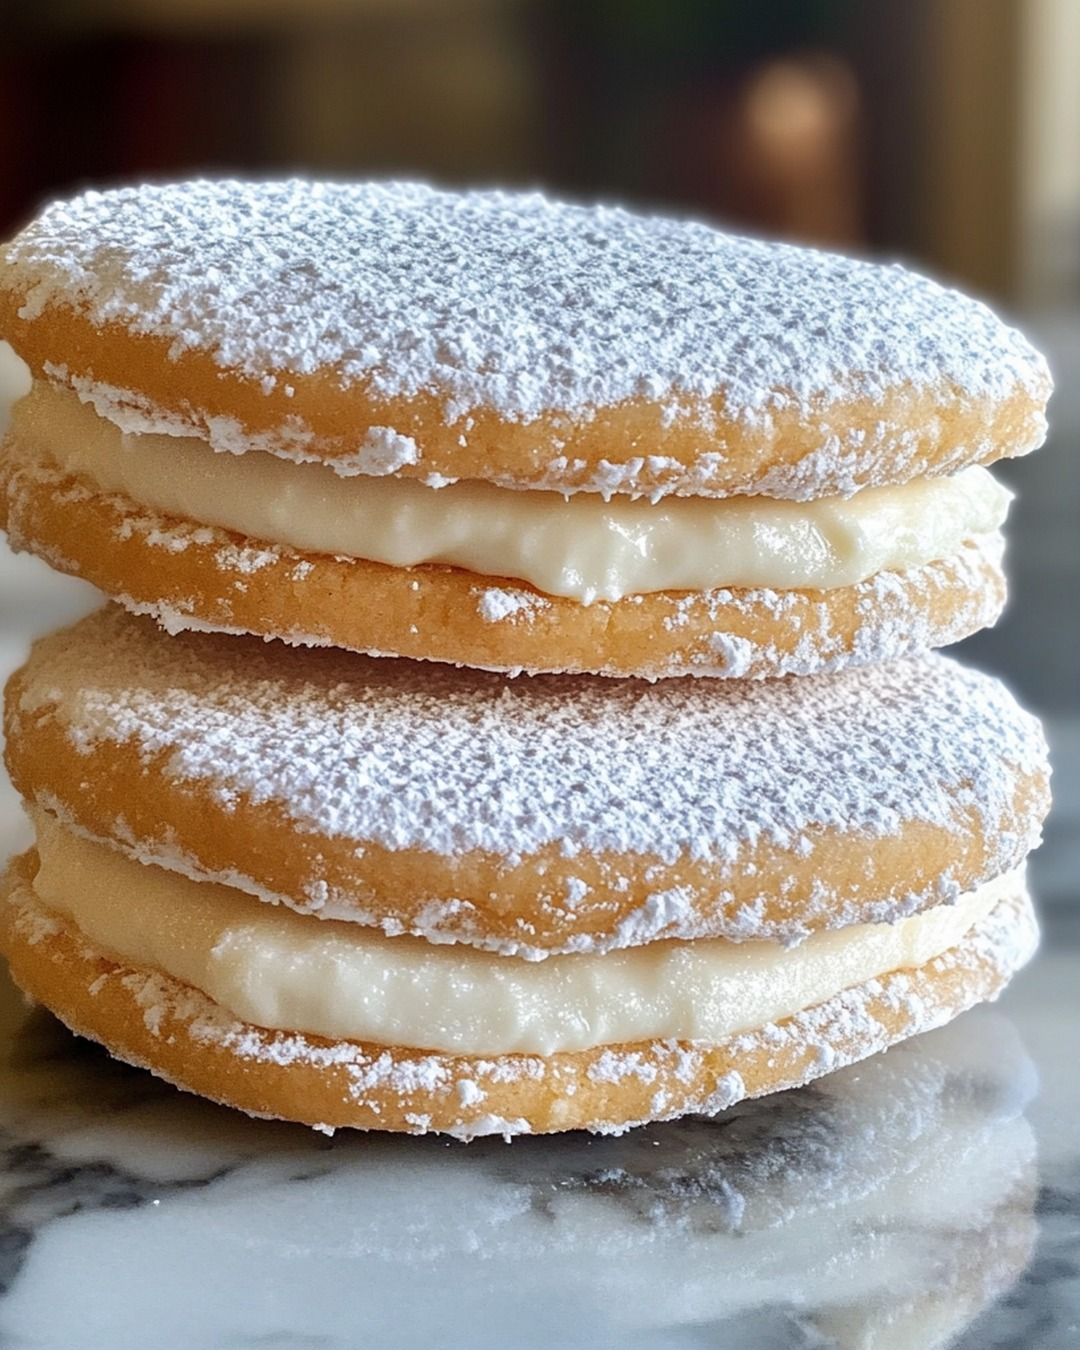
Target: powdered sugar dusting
[734,655]
[506,301]
[496,604]
[414,756]
[485,1126]
[136,415]
[896,616]
[384,451]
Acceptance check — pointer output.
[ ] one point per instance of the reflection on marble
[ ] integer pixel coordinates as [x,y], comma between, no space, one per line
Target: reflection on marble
[887,1205]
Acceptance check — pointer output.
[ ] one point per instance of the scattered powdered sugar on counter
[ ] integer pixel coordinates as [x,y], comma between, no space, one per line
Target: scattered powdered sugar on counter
[505,301]
[416,756]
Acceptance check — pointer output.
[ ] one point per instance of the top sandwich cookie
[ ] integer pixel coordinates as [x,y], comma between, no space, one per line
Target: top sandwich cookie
[498,431]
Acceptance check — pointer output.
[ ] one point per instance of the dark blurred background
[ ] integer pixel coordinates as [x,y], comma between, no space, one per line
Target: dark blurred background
[944,132]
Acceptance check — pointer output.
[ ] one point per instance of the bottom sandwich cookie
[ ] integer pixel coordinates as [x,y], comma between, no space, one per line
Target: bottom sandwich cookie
[358,893]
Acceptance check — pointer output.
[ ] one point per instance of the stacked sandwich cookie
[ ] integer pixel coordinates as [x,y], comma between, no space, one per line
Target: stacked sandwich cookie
[359,875]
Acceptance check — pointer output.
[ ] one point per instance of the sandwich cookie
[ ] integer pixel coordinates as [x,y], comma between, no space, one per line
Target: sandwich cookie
[355,892]
[491,430]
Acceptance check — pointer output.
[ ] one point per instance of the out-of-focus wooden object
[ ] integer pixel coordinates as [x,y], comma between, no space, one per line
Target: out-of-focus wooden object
[444,87]
[1049,267]
[1003,146]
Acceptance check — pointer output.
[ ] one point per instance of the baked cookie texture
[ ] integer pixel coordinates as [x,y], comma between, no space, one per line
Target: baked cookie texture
[395,332]
[308,851]
[647,354]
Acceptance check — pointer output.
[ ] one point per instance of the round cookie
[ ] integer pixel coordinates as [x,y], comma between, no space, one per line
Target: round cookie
[531,817]
[153,1020]
[394,332]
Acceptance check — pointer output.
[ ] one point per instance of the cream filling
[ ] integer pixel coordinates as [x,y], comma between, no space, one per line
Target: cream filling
[582,547]
[278,969]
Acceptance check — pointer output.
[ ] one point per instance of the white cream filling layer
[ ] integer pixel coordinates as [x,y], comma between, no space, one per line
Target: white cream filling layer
[582,547]
[292,972]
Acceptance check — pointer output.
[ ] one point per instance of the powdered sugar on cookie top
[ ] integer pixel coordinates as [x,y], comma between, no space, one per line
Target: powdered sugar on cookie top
[505,302]
[415,756]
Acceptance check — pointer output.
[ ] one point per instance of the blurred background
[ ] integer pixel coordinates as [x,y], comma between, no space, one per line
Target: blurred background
[942,132]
